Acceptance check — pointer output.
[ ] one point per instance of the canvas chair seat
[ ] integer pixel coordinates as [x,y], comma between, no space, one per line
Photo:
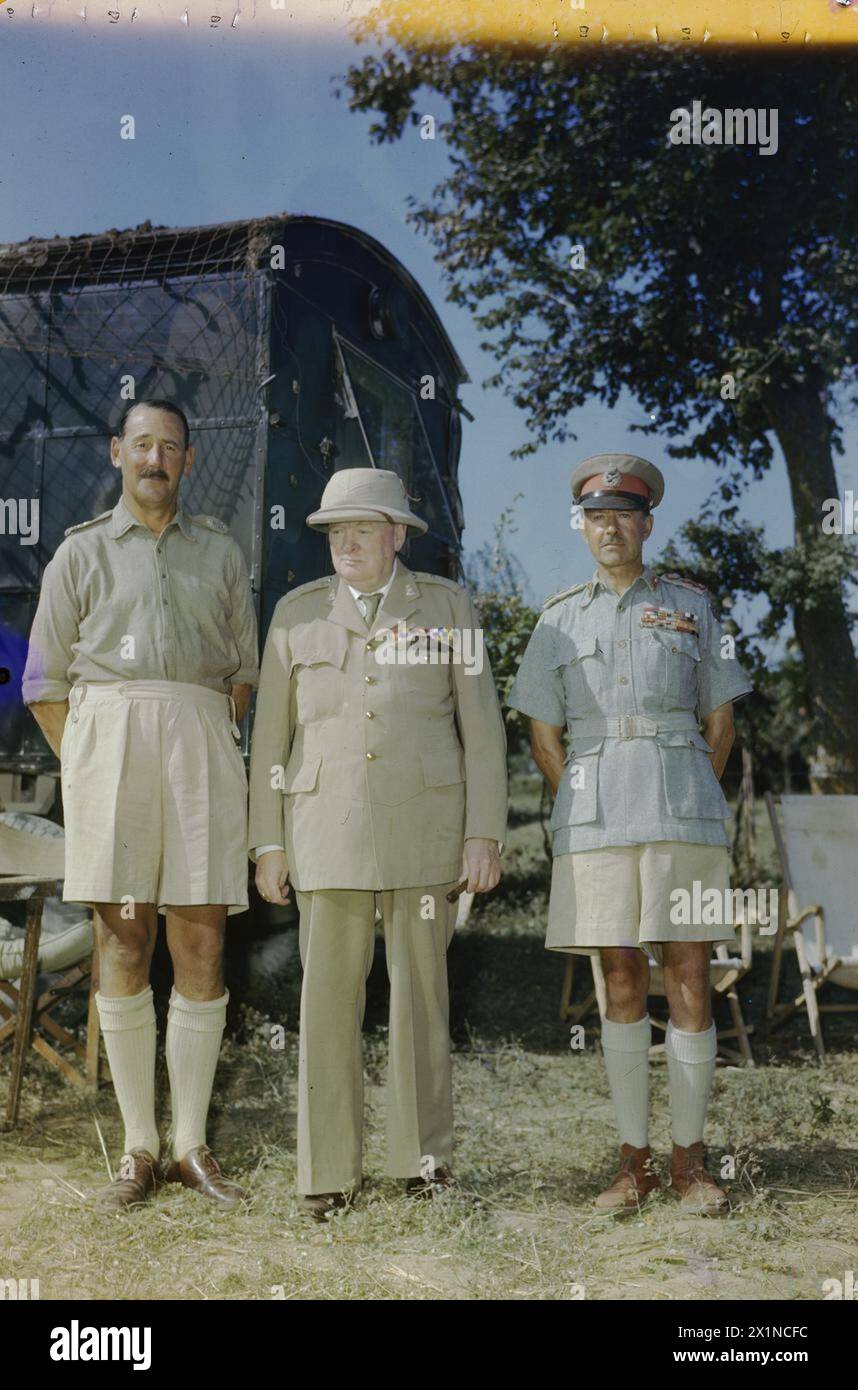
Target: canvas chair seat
[816,838]
[31,846]
[57,951]
[32,866]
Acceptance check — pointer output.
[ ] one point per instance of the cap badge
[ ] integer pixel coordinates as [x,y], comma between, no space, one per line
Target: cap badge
[612,478]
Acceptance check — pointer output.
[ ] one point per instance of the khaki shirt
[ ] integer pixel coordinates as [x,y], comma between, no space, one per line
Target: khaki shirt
[373,772]
[631,676]
[120,603]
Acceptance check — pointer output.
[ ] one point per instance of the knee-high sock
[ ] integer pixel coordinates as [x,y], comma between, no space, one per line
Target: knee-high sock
[194,1031]
[690,1069]
[626,1049]
[130,1035]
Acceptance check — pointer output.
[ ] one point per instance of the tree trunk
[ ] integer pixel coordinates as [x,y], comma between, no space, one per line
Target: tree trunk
[799,420]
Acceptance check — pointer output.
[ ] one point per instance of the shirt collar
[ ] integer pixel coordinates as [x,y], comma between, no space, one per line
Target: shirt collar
[595,584]
[358,593]
[124,520]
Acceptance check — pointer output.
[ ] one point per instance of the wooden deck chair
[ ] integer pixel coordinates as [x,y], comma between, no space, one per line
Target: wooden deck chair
[725,972]
[26,1020]
[816,839]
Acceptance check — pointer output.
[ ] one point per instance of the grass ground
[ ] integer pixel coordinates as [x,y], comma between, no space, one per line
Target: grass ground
[534,1141]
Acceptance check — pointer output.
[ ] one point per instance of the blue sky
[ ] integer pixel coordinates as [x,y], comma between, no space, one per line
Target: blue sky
[233,125]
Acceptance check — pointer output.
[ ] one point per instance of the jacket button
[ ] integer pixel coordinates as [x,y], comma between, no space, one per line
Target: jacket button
[370,680]
[370,757]
[370,714]
[624,680]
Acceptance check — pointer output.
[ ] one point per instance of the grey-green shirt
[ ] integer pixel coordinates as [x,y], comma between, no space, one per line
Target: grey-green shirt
[120,603]
[594,660]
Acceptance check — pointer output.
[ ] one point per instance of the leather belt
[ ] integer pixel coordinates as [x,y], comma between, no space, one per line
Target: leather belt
[627,726]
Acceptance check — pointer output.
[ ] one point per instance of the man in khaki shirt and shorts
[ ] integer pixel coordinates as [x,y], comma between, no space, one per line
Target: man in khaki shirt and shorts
[630,665]
[142,657]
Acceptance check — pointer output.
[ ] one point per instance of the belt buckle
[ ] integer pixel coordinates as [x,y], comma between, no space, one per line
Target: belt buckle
[624,732]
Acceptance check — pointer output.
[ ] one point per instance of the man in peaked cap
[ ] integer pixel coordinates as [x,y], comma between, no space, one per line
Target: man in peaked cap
[377,781]
[142,656]
[633,668]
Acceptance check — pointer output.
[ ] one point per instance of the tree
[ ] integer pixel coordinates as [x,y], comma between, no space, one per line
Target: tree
[496,581]
[714,282]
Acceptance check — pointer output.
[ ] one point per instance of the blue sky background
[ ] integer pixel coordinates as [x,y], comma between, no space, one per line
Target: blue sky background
[238,124]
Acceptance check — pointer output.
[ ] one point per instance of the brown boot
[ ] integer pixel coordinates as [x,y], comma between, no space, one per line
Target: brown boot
[441,1183]
[696,1189]
[633,1182]
[136,1180]
[321,1205]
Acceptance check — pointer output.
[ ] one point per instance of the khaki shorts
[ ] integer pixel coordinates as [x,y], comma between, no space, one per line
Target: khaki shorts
[155,796]
[621,896]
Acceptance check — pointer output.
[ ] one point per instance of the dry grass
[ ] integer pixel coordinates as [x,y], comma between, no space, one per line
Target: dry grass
[534,1141]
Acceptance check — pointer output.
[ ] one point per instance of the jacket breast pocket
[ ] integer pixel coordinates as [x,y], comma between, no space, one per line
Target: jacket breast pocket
[584,676]
[318,654]
[691,789]
[671,660]
[577,800]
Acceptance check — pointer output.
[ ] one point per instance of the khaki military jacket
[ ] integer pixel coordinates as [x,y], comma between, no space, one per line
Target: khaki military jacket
[373,757]
[631,676]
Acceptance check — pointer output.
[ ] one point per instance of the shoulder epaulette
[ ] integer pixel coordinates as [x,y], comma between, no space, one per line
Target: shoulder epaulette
[83,525]
[563,593]
[212,523]
[686,583]
[426,578]
[310,585]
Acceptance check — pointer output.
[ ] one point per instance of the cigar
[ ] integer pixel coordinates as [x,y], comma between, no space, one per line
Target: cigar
[455,893]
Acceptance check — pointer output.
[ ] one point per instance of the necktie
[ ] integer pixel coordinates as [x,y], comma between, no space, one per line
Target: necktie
[368,605]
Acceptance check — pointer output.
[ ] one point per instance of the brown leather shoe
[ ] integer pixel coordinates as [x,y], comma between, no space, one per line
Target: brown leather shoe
[136,1180]
[440,1184]
[633,1182]
[695,1188]
[200,1171]
[320,1205]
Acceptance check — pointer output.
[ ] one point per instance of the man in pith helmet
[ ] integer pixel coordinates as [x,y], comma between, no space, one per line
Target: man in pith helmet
[377,783]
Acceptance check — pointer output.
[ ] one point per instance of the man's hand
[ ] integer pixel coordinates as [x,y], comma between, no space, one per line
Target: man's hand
[719,733]
[51,715]
[272,876]
[549,754]
[481,865]
[241,694]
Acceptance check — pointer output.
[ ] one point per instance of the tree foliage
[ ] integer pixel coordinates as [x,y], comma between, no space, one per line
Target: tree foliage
[715,283]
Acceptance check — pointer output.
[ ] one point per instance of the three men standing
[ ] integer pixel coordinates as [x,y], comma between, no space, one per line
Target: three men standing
[142,657]
[629,664]
[378,778]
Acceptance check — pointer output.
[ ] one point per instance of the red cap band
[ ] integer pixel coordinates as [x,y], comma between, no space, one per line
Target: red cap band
[628,483]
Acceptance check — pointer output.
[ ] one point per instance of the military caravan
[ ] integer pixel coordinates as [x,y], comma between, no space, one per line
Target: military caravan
[297,346]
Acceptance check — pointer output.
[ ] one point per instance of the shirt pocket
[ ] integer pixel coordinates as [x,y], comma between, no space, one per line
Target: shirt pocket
[671,661]
[691,789]
[584,676]
[577,800]
[318,656]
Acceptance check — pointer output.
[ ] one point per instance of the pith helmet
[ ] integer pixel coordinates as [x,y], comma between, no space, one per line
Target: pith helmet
[365,494]
[617,482]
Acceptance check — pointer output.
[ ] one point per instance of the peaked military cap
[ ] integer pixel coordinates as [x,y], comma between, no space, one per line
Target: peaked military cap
[617,482]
